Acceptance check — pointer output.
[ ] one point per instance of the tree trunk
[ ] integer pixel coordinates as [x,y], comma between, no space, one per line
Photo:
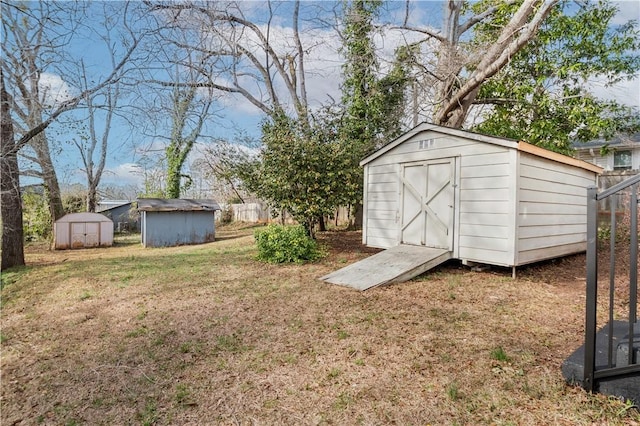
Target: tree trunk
[92,196]
[322,227]
[355,222]
[173,181]
[10,199]
[309,226]
[49,177]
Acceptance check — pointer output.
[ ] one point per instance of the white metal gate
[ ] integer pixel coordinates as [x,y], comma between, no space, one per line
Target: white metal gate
[427,203]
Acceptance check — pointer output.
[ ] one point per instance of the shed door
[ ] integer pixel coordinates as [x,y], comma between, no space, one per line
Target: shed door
[92,234]
[427,196]
[85,234]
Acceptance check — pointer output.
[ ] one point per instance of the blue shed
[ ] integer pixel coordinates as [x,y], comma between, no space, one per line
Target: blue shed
[174,222]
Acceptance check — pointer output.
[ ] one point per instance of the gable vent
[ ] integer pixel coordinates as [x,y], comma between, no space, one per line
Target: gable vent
[426,143]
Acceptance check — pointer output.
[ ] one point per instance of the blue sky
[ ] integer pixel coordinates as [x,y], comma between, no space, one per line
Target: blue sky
[235,113]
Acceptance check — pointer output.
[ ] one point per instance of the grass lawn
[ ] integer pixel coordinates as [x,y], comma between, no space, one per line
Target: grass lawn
[208,335]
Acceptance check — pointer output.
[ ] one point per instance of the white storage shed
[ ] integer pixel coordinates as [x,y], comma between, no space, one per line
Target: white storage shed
[83,230]
[484,199]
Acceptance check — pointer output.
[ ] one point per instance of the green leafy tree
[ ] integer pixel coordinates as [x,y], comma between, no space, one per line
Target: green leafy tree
[310,164]
[372,103]
[183,135]
[542,95]
[74,202]
[301,169]
[36,216]
[361,96]
[450,68]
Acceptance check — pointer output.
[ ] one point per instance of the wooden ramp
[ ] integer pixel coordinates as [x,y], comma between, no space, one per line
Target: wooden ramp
[394,265]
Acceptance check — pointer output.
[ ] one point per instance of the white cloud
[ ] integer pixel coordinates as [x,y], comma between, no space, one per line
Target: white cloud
[323,65]
[626,92]
[124,174]
[53,89]
[627,10]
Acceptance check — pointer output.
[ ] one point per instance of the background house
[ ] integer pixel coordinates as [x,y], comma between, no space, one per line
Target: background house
[622,154]
[173,222]
[121,213]
[620,159]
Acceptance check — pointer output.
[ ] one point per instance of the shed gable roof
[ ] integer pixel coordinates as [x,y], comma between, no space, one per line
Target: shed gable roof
[508,143]
[175,204]
[83,217]
[423,127]
[105,207]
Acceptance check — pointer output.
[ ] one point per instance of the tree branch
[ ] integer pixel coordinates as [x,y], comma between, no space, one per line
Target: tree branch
[427,31]
[462,28]
[513,37]
[73,102]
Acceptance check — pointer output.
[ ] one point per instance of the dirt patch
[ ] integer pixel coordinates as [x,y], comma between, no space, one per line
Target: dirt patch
[208,335]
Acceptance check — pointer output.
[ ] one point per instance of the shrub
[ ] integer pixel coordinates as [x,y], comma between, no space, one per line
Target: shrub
[285,244]
[36,216]
[226,217]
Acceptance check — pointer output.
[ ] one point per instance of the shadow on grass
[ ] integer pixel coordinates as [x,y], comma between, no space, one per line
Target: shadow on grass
[123,240]
[227,237]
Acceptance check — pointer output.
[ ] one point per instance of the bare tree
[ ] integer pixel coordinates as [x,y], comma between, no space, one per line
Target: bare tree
[23,81]
[10,200]
[101,106]
[30,37]
[220,162]
[451,71]
[96,145]
[253,60]
[183,137]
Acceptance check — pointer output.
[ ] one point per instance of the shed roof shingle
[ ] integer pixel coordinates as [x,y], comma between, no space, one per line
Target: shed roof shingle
[174,204]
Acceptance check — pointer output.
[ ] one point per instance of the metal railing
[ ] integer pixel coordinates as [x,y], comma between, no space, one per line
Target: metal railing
[592,373]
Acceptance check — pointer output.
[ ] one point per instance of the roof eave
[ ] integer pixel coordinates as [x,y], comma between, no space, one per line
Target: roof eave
[422,127]
[555,156]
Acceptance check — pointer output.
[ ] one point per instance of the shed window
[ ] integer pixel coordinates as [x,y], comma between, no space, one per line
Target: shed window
[622,160]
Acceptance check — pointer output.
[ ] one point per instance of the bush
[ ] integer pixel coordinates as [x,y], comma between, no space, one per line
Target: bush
[36,217]
[285,244]
[226,217]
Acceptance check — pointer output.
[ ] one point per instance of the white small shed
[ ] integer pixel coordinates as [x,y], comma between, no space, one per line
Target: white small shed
[484,199]
[83,230]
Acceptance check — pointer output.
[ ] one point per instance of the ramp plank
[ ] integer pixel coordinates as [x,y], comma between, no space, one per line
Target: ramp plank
[397,264]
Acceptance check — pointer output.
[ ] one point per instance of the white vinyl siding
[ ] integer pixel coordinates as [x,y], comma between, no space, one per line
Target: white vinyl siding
[607,161]
[511,206]
[595,158]
[381,205]
[484,187]
[484,229]
[552,212]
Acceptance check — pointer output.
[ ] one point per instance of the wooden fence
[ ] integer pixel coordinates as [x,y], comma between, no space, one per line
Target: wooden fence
[262,213]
